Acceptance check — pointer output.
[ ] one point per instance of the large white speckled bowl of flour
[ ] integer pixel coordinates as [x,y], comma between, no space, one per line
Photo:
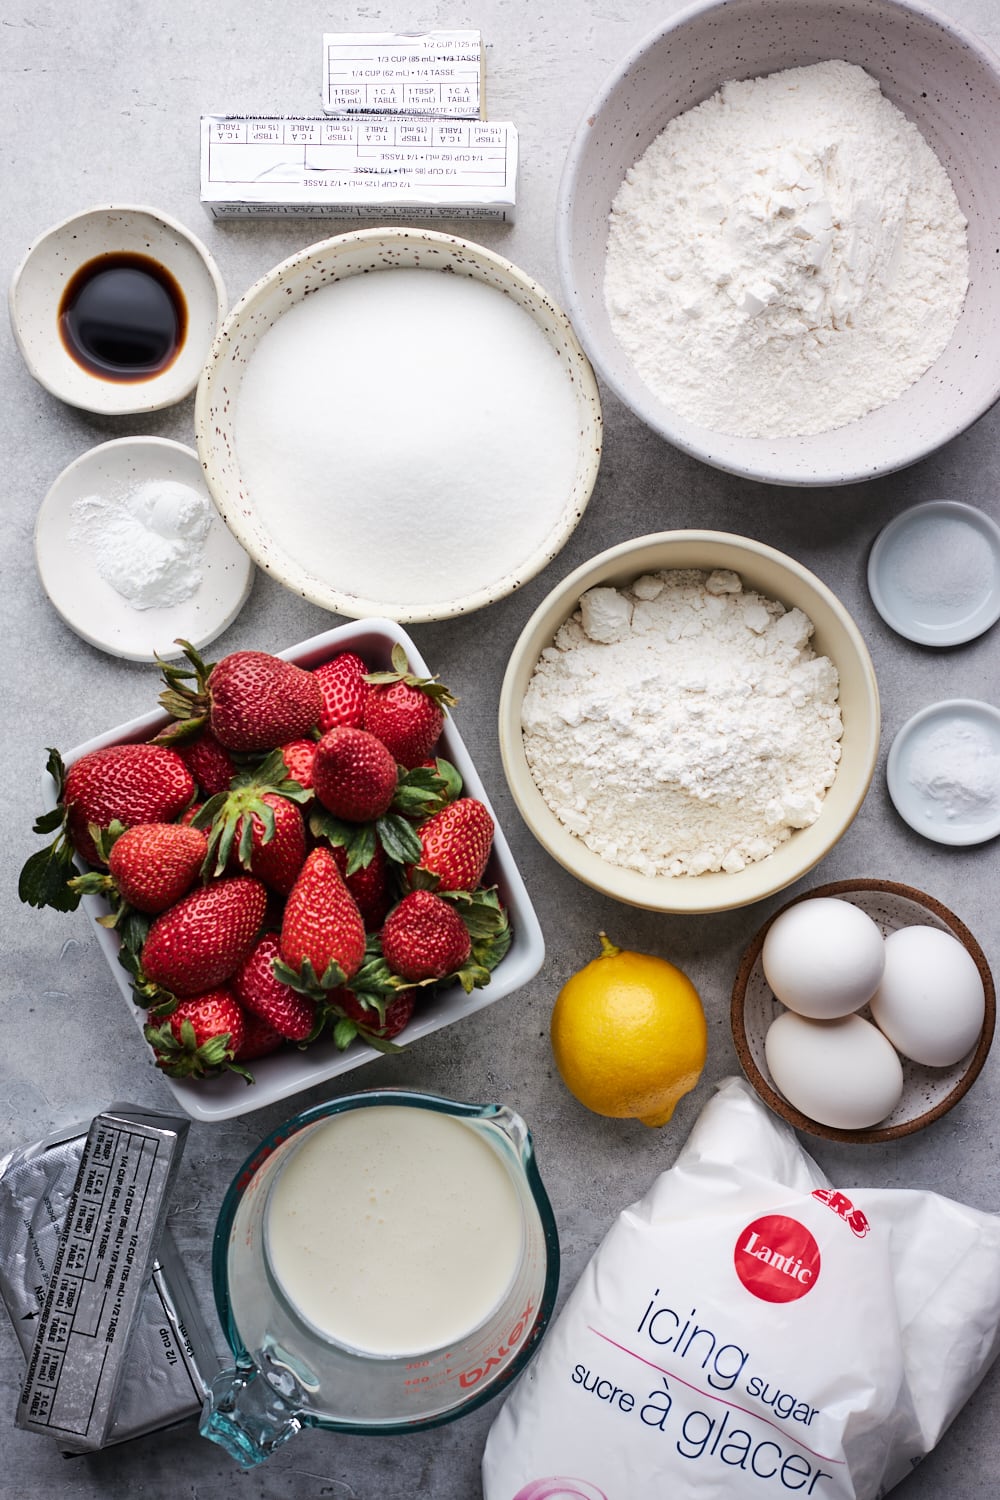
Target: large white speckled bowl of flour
[776,577]
[942,78]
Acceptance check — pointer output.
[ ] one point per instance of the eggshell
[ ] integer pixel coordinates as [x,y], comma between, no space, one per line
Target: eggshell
[842,1073]
[930,1003]
[823,958]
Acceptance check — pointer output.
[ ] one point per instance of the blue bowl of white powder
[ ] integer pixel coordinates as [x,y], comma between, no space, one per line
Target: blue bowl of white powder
[776,235]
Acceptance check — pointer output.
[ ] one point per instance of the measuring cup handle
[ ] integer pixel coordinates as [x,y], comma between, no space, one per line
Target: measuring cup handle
[247,1417]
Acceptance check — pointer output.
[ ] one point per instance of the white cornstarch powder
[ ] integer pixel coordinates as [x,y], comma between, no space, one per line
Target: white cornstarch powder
[786,256]
[408,435]
[957,766]
[146,540]
[684,724]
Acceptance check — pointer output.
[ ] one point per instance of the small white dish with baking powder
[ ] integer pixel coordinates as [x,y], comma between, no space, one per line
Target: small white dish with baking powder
[934,573]
[943,772]
[133,554]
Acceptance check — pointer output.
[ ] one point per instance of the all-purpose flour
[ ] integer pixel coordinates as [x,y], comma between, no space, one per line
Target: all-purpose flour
[786,256]
[683,725]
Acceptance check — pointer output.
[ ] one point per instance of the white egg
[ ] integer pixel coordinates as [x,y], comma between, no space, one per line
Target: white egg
[841,1073]
[930,1003]
[823,957]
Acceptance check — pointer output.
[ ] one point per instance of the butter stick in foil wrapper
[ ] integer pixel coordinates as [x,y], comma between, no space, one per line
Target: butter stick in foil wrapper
[170,1356]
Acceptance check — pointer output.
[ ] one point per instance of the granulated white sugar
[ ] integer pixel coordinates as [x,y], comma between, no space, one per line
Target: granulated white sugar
[408,435]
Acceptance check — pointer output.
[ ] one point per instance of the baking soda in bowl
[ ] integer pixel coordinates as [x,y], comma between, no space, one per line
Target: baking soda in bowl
[394,1231]
[408,435]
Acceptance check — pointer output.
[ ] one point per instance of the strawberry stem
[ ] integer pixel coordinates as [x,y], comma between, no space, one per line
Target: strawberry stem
[400,672]
[185,695]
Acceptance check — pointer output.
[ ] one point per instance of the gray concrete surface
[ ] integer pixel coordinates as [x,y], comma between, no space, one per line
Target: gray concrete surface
[101,104]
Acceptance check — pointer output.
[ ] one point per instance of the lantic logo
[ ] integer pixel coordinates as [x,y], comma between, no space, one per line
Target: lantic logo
[777,1259]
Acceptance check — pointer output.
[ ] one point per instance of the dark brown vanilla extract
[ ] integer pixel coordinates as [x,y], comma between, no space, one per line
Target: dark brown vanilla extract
[123,317]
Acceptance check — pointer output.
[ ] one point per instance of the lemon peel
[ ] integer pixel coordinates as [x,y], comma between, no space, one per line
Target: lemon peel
[629,1035]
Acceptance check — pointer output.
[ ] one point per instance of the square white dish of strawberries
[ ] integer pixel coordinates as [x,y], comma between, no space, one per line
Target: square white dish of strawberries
[360,922]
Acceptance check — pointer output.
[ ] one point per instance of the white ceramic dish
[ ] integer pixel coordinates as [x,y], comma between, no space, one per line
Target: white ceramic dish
[836,635]
[928,1093]
[93,607]
[934,573]
[288,285]
[945,812]
[39,281]
[290,1071]
[940,76]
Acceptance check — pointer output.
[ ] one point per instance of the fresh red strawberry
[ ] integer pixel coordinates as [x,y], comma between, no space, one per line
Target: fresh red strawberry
[344,689]
[123,784]
[259,1039]
[298,756]
[405,712]
[322,933]
[250,700]
[154,864]
[200,1037]
[278,859]
[211,766]
[199,943]
[369,885]
[257,826]
[354,775]
[424,938]
[260,991]
[367,1019]
[456,844]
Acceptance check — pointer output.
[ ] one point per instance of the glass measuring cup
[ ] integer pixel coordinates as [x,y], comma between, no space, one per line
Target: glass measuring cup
[290,1373]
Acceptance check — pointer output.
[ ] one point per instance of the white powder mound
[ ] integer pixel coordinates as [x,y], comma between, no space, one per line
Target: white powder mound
[146,541]
[957,765]
[408,435]
[683,725]
[786,256]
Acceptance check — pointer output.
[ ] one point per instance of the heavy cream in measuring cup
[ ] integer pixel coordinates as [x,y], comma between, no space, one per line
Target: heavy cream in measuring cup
[394,1230]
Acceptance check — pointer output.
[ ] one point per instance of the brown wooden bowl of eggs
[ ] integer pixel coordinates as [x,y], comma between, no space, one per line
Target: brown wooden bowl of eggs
[863,1011]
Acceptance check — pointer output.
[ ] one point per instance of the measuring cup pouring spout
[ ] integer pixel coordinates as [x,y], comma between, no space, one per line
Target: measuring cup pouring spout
[315,1345]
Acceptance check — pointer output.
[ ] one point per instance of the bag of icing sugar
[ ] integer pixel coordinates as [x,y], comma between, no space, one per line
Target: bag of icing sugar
[748,1332]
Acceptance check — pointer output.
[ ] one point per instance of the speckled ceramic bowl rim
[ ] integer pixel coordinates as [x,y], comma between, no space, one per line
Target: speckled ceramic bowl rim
[584,382]
[780,1105]
[716,891]
[761,463]
[170,393]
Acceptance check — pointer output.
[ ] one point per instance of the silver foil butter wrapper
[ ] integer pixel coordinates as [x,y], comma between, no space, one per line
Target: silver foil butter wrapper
[150,1374]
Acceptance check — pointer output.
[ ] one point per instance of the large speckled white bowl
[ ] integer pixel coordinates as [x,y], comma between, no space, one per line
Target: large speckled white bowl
[942,78]
[290,283]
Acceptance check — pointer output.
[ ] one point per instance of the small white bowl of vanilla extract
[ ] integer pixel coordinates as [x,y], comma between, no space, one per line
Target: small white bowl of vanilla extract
[115,309]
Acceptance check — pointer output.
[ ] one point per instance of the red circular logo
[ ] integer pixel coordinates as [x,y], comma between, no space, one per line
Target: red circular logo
[777,1259]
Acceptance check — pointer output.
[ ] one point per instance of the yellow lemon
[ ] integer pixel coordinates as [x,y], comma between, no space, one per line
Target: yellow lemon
[629,1035]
